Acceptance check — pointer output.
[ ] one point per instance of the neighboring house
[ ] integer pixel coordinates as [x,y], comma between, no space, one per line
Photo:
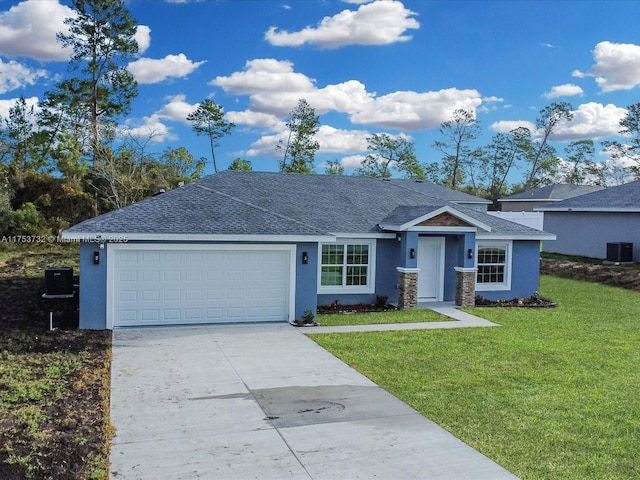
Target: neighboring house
[256,246]
[584,225]
[538,197]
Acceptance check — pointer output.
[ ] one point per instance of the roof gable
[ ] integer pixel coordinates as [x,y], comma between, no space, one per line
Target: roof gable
[430,217]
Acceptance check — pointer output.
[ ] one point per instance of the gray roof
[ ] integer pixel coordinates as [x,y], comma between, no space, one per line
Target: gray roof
[623,198]
[237,204]
[555,192]
[438,191]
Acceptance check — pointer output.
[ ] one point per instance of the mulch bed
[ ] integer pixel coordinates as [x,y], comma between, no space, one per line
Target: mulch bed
[532,302]
[335,307]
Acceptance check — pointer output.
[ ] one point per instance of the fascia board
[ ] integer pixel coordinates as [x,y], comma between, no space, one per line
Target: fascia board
[107,237]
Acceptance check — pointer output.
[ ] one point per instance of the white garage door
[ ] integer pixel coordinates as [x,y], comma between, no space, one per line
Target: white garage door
[177,284]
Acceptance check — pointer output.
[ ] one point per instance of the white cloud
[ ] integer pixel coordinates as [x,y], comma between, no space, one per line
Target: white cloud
[566,90]
[265,75]
[255,119]
[617,66]
[154,126]
[333,140]
[274,88]
[14,75]
[379,23]
[591,120]
[29,29]
[151,128]
[143,37]
[416,111]
[6,105]
[353,161]
[505,126]
[149,70]
[266,145]
[176,109]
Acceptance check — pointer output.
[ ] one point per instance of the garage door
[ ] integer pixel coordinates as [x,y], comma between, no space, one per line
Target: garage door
[172,285]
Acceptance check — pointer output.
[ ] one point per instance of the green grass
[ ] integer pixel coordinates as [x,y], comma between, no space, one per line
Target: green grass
[552,394]
[394,316]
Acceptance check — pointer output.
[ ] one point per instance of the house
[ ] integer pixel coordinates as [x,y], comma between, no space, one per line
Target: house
[538,197]
[258,246]
[584,225]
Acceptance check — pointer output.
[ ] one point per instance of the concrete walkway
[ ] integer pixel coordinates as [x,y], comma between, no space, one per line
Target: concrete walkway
[459,319]
[265,402]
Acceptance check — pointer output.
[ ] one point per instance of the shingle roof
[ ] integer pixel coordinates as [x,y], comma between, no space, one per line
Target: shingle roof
[623,198]
[234,203]
[552,192]
[438,191]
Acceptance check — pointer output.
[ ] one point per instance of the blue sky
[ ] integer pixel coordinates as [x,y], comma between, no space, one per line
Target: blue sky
[400,67]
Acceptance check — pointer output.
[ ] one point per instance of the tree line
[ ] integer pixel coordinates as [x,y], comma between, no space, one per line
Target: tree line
[70,160]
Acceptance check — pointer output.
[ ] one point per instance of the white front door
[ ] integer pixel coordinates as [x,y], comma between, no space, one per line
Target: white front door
[431,265]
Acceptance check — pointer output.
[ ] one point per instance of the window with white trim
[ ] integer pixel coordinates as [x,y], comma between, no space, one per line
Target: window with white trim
[493,264]
[346,266]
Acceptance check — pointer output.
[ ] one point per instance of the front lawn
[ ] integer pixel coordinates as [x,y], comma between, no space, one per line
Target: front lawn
[552,394]
[369,318]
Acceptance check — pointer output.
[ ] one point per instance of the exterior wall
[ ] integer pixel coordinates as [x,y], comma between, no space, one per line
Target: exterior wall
[528,219]
[93,287]
[525,272]
[388,257]
[93,284]
[522,206]
[306,279]
[587,233]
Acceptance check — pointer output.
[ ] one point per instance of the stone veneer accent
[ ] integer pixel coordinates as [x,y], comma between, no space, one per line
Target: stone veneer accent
[465,287]
[407,288]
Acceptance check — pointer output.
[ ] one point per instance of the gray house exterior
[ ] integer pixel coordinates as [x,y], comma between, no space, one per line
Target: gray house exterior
[255,246]
[538,197]
[584,225]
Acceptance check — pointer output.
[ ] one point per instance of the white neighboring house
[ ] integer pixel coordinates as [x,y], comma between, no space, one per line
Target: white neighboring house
[520,207]
[528,219]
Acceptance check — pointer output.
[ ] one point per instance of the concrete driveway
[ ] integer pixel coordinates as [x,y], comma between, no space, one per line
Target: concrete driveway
[265,402]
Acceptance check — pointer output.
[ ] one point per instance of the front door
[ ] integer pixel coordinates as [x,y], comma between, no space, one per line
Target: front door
[431,265]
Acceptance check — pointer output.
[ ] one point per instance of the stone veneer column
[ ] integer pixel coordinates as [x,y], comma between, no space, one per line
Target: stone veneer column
[465,287]
[407,288]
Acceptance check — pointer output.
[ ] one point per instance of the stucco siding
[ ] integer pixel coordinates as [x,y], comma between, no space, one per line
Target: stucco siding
[587,233]
[93,287]
[306,279]
[525,270]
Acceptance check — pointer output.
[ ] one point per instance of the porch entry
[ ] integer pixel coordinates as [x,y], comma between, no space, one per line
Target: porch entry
[431,265]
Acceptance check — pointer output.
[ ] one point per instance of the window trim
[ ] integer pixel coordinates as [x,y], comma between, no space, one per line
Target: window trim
[506,284]
[346,289]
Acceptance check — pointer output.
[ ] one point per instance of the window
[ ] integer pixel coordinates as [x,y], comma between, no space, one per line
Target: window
[346,266]
[493,262]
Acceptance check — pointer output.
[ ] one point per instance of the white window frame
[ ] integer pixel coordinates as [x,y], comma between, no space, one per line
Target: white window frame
[506,283]
[344,289]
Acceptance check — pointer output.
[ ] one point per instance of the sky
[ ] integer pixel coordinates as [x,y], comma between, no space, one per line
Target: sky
[379,66]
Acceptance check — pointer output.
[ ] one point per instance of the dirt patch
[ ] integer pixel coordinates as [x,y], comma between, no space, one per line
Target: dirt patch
[54,385]
[624,276]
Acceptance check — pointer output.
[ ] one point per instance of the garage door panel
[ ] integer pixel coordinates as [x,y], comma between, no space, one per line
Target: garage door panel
[200,286]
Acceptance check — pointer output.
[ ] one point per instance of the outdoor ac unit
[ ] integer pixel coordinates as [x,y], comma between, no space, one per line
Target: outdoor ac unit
[58,280]
[619,252]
